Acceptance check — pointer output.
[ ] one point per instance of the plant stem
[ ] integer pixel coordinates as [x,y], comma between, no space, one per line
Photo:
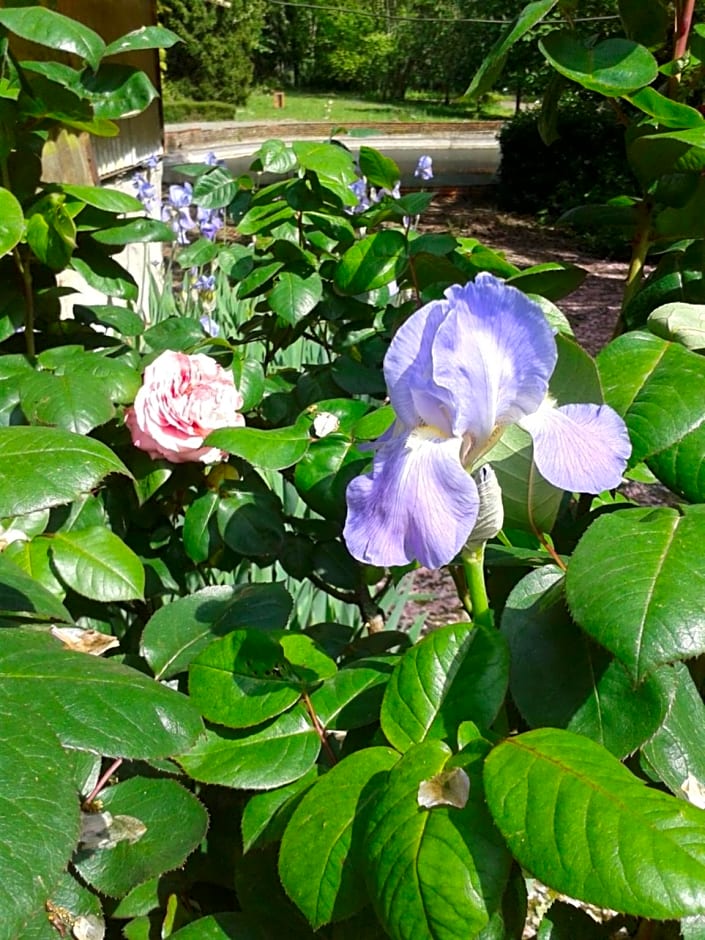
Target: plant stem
[635,274]
[100,785]
[473,566]
[319,729]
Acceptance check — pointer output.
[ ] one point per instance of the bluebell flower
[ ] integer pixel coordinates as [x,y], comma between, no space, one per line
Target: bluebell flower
[146,191]
[209,222]
[459,372]
[424,168]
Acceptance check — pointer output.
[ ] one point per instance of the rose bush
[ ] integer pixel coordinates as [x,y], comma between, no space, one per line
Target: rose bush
[183,398]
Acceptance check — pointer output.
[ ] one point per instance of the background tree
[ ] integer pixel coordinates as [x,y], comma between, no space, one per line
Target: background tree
[215,58]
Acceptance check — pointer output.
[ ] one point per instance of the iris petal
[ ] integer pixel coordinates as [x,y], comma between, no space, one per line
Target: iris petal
[496,352]
[579,448]
[417,504]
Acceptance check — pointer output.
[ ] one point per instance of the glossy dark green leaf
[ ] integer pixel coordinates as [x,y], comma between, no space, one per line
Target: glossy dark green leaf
[156,803]
[200,532]
[24,598]
[276,156]
[121,319]
[652,155]
[178,632]
[243,679]
[198,253]
[44,467]
[442,870]
[103,273]
[680,323]
[177,333]
[559,678]
[40,812]
[612,67]
[326,160]
[552,279]
[646,606]
[323,473]
[269,450]
[377,169]
[76,403]
[294,297]
[118,91]
[267,814]
[226,926]
[146,37]
[110,200]
[11,221]
[667,112]
[372,262]
[457,673]
[97,564]
[93,702]
[321,862]
[251,523]
[215,189]
[52,29]
[270,755]
[128,231]
[352,698]
[575,817]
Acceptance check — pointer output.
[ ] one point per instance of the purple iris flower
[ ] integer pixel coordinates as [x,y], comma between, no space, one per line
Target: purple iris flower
[205,282]
[212,160]
[459,372]
[146,191]
[424,168]
[180,196]
[209,222]
[152,162]
[359,189]
[209,326]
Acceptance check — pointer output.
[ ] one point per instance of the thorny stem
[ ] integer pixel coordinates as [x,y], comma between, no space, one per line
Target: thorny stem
[474,568]
[102,781]
[319,729]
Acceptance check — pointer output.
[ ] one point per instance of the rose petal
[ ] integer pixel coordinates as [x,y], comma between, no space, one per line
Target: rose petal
[580,448]
[417,504]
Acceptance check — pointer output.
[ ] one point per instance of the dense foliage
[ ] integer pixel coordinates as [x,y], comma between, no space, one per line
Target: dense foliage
[255,749]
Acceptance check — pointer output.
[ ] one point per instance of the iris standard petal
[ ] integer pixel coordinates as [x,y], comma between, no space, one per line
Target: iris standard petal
[417,503]
[495,351]
[579,448]
[408,370]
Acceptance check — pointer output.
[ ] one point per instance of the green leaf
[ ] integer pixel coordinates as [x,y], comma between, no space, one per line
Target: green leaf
[54,30]
[294,297]
[455,674]
[146,37]
[110,200]
[156,803]
[442,870]
[493,65]
[372,262]
[560,678]
[327,160]
[680,323]
[92,702]
[270,755]
[23,598]
[118,91]
[251,522]
[128,231]
[553,280]
[178,632]
[651,155]
[575,817]
[11,220]
[242,680]
[197,254]
[353,696]
[76,403]
[612,67]
[677,751]
[44,467]
[646,606]
[124,321]
[97,564]
[228,926]
[267,449]
[267,814]
[667,112]
[378,169]
[103,273]
[324,471]
[39,822]
[321,862]
[276,156]
[215,189]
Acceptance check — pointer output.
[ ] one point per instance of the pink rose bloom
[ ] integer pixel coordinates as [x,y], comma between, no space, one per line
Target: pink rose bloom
[182,399]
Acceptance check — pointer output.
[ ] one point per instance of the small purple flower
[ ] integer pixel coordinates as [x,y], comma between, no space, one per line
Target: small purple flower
[424,168]
[180,196]
[180,221]
[209,222]
[377,195]
[152,162]
[459,371]
[211,159]
[359,189]
[210,327]
[146,191]
[206,282]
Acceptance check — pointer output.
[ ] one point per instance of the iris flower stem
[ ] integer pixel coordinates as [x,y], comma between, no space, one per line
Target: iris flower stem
[473,565]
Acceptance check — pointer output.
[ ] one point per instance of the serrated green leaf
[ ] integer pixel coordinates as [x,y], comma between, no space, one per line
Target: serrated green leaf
[44,467]
[92,703]
[270,755]
[267,814]
[455,674]
[97,564]
[267,449]
[441,870]
[575,817]
[321,862]
[646,606]
[156,803]
[352,698]
[40,811]
[560,678]
[72,402]
[177,633]
[242,679]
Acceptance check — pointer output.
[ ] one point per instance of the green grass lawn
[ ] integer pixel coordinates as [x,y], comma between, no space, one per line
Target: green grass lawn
[339,109]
